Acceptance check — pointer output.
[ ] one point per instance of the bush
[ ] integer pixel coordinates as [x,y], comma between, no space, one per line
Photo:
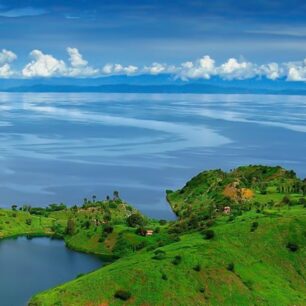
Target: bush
[177,260]
[231,267]
[28,221]
[122,295]
[209,234]
[140,231]
[254,226]
[107,229]
[197,268]
[293,247]
[159,255]
[135,220]
[162,222]
[164,276]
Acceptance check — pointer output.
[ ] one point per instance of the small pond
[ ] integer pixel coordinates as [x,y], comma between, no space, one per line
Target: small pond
[28,266]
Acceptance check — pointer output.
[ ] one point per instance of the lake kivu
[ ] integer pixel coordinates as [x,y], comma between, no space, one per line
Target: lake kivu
[29,266]
[62,147]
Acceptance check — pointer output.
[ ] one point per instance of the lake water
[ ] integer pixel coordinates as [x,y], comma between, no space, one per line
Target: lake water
[30,266]
[58,147]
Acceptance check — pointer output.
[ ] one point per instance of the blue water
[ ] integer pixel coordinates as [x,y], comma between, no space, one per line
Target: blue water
[62,147]
[30,266]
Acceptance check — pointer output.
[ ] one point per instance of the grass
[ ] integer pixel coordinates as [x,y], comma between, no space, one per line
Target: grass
[253,256]
[265,273]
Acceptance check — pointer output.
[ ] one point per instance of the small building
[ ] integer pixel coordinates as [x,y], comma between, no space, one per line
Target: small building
[227,210]
[149,232]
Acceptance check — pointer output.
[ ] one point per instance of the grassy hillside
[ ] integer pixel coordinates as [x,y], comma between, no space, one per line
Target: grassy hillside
[252,255]
[238,266]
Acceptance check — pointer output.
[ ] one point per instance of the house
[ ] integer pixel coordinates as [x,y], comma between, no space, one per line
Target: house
[227,210]
[149,232]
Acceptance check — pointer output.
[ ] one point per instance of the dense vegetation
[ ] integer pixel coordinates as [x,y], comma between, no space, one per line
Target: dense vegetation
[239,239]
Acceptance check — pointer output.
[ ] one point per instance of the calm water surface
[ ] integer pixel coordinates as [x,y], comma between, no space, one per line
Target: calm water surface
[64,147]
[30,266]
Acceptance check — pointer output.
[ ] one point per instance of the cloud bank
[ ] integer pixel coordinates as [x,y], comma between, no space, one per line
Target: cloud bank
[43,65]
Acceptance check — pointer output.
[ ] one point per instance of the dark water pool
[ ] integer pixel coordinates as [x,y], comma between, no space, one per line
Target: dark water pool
[30,266]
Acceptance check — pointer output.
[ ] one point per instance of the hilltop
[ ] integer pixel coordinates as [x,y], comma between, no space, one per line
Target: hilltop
[239,239]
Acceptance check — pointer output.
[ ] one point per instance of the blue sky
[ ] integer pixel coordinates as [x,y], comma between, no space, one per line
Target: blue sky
[139,33]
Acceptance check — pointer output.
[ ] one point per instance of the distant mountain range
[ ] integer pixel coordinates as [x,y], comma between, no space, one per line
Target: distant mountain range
[153,84]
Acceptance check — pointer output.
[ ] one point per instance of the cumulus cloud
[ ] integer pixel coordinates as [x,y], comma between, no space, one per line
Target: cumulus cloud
[272,71]
[234,69]
[109,69]
[203,68]
[296,71]
[5,71]
[158,68]
[79,66]
[76,58]
[44,65]
[7,56]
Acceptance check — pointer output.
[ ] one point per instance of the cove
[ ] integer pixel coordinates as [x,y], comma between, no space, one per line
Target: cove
[28,266]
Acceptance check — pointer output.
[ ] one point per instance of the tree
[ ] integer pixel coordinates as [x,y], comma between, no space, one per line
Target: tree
[94,198]
[116,195]
[209,234]
[70,227]
[14,207]
[135,220]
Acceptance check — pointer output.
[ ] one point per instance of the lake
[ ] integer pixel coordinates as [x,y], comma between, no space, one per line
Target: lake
[30,266]
[62,147]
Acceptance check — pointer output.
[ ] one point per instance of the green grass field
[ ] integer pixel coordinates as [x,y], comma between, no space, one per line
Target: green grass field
[265,271]
[254,255]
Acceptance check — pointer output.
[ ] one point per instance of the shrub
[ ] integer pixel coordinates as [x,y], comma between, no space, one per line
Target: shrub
[164,276]
[122,295]
[209,234]
[254,226]
[231,267]
[197,268]
[159,255]
[210,223]
[140,231]
[162,222]
[293,247]
[135,220]
[107,229]
[29,221]
[177,260]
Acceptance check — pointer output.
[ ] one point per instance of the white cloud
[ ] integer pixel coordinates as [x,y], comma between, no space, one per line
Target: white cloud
[44,65]
[76,59]
[79,66]
[233,69]
[203,68]
[119,69]
[5,71]
[7,56]
[296,71]
[272,71]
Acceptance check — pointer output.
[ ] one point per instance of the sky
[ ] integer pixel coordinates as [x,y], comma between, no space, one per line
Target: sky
[191,39]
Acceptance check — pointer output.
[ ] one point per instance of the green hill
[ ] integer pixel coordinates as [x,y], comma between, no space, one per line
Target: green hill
[239,239]
[236,267]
